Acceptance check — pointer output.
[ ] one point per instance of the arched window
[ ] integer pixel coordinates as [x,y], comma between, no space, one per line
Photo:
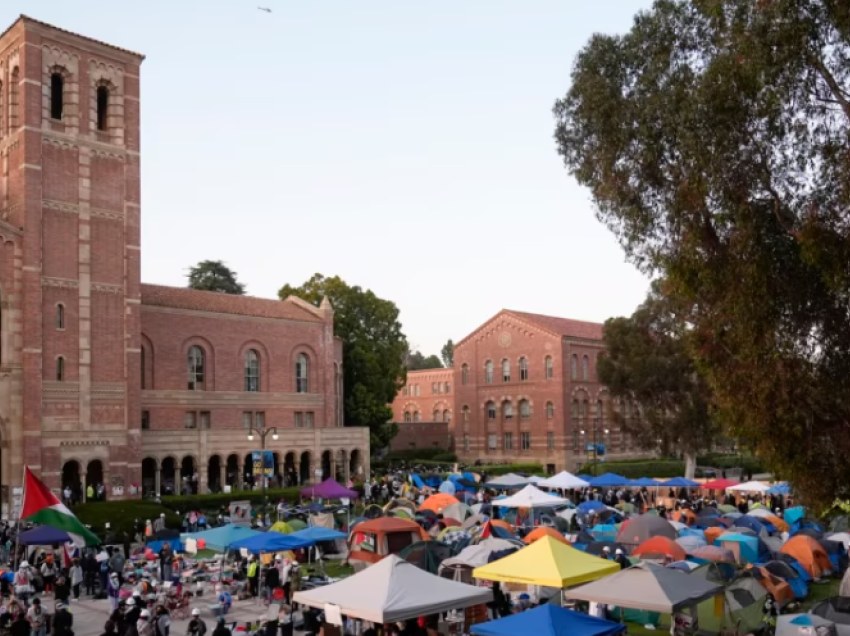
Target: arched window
[448,387]
[252,371]
[491,411]
[464,374]
[407,416]
[57,95]
[523,369]
[599,408]
[524,409]
[447,417]
[584,408]
[197,380]
[550,370]
[574,409]
[415,416]
[508,411]
[436,416]
[585,369]
[102,107]
[574,367]
[488,372]
[506,370]
[60,369]
[302,370]
[60,316]
[550,410]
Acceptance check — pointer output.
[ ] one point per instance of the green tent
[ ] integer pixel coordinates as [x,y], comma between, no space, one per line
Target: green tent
[743,602]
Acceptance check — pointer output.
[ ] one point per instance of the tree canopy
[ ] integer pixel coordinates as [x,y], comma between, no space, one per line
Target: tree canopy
[214,276]
[713,138]
[447,353]
[649,372]
[417,361]
[373,351]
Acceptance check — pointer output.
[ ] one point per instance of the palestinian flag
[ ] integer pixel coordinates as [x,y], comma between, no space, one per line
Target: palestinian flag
[42,506]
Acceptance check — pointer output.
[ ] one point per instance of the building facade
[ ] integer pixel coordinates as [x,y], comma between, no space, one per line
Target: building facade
[526,390]
[75,320]
[424,409]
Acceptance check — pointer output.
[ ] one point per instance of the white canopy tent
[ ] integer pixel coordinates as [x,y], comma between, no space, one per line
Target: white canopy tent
[509,480]
[394,590]
[530,497]
[749,486]
[564,481]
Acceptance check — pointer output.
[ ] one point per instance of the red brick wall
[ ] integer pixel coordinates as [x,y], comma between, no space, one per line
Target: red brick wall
[426,400]
[421,435]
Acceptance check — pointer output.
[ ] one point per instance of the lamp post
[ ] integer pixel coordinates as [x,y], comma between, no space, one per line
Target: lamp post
[263,432]
[596,444]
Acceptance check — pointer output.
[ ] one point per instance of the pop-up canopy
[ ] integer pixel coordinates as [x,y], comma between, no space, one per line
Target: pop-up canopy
[393,590]
[563,481]
[750,486]
[530,497]
[219,538]
[549,563]
[329,489]
[548,620]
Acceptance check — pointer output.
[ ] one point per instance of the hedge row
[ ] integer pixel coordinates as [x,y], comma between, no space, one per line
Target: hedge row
[122,515]
[638,469]
[418,454]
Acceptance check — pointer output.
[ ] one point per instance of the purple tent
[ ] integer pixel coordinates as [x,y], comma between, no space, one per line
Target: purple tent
[329,489]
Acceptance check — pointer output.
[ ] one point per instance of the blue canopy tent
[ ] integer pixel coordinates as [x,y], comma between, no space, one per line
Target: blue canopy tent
[219,538]
[782,488]
[586,478]
[174,544]
[548,620]
[271,542]
[590,506]
[645,482]
[44,535]
[608,480]
[679,482]
[318,534]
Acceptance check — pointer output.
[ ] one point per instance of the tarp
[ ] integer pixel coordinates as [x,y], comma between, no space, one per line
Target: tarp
[548,620]
[648,587]
[547,562]
[219,538]
[44,535]
[530,497]
[329,489]
[393,590]
[318,534]
[564,481]
[510,480]
[271,542]
[608,480]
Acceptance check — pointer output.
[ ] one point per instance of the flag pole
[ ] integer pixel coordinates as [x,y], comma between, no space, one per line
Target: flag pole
[20,512]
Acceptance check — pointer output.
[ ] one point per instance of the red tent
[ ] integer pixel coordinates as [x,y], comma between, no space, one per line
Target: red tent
[719,484]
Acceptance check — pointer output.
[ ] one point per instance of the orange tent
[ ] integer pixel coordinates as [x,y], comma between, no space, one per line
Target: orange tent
[657,547]
[711,534]
[500,523]
[780,524]
[545,531]
[438,502]
[685,515]
[370,541]
[776,586]
[809,554]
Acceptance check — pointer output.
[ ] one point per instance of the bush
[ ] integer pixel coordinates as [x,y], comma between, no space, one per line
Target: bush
[416,455]
[446,458]
[122,515]
[636,469]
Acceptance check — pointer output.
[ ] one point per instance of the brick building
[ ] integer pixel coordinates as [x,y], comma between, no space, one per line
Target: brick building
[423,410]
[80,336]
[525,389]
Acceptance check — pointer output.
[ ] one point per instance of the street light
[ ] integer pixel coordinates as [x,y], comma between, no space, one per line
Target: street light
[263,432]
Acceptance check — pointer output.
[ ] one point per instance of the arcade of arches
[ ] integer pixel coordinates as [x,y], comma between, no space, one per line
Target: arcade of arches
[185,475]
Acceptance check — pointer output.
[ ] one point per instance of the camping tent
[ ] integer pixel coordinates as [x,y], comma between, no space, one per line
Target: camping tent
[564,481]
[329,489]
[809,554]
[749,486]
[44,535]
[270,542]
[427,555]
[530,497]
[660,548]
[219,538]
[370,541]
[647,586]
[636,531]
[804,625]
[548,620]
[547,562]
[394,590]
[744,547]
[743,601]
[837,610]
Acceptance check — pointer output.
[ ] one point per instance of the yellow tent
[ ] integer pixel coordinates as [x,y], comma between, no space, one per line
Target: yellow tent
[549,563]
[282,527]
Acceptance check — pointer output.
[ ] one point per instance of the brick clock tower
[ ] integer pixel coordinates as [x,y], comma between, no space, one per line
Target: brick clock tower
[69,260]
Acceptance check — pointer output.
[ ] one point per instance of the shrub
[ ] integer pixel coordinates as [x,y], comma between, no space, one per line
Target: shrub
[636,469]
[122,515]
[415,454]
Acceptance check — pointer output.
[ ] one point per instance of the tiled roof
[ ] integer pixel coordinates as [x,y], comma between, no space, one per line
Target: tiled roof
[563,326]
[184,298]
[26,18]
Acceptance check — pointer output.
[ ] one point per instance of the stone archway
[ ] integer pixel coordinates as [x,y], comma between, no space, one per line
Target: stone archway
[341,466]
[277,471]
[214,473]
[248,476]
[354,465]
[149,470]
[71,480]
[306,467]
[188,476]
[95,478]
[169,477]
[231,471]
[290,475]
[327,462]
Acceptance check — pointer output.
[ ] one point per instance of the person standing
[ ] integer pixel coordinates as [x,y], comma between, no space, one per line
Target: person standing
[272,580]
[63,621]
[253,575]
[116,565]
[23,583]
[76,574]
[37,618]
[161,621]
[113,591]
[48,574]
[166,558]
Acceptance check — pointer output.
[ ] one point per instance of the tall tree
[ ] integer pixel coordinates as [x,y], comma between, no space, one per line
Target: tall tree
[417,361]
[713,138]
[447,353]
[649,371]
[373,350]
[214,276]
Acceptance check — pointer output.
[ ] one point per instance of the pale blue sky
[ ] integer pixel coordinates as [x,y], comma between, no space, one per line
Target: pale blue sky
[405,146]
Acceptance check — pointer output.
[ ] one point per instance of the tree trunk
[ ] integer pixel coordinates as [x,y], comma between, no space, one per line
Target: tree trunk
[690,465]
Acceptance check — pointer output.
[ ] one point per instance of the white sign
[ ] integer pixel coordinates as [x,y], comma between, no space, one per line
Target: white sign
[333,614]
